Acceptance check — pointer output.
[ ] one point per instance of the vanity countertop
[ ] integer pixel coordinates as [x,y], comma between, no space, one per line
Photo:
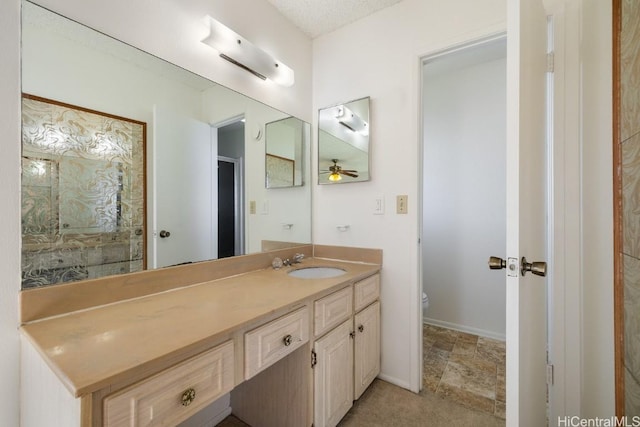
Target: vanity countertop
[94,348]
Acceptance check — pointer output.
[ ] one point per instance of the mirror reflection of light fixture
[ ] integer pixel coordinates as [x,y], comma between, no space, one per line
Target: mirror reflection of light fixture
[351,120]
[335,176]
[241,52]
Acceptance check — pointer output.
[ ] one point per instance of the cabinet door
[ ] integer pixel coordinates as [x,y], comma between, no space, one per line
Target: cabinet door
[333,376]
[367,347]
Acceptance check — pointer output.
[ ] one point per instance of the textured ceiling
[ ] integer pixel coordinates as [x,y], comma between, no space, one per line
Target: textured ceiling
[317,17]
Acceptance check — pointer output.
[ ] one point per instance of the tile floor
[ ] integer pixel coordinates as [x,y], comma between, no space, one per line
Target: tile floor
[465,368]
[464,385]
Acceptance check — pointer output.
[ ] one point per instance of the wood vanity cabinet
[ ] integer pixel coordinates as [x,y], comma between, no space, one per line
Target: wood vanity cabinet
[251,355]
[347,358]
[175,394]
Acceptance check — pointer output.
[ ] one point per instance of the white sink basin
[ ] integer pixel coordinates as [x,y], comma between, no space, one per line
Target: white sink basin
[316,272]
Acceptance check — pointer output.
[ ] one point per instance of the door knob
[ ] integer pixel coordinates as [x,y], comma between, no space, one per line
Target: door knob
[539,268]
[164,234]
[496,263]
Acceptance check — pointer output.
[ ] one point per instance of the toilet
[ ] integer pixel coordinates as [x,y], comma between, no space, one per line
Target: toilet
[425,302]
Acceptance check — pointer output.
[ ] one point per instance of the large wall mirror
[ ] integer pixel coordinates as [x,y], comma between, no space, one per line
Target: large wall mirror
[188,183]
[343,143]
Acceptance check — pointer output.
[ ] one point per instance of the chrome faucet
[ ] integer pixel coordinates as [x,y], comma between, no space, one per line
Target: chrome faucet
[297,258]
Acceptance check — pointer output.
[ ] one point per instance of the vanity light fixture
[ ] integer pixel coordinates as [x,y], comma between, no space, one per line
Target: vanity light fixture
[241,52]
[351,120]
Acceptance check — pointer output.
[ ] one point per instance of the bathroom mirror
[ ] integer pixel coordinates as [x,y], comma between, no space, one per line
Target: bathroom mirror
[193,128]
[343,143]
[284,148]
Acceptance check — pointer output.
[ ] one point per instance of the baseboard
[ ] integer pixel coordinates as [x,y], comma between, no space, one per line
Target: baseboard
[210,415]
[394,381]
[463,328]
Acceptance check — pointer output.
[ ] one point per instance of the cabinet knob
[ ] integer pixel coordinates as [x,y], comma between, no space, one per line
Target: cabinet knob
[361,328]
[287,340]
[352,334]
[164,234]
[188,396]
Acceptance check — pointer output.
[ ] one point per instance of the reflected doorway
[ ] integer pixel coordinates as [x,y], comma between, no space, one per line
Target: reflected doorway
[231,189]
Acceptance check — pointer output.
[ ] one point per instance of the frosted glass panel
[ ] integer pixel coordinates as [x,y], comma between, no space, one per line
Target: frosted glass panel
[82,193]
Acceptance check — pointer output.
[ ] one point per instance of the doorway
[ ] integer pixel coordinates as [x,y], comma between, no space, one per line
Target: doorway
[463,222]
[231,189]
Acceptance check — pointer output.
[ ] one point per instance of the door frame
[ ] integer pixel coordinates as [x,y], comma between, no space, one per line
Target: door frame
[564,295]
[436,53]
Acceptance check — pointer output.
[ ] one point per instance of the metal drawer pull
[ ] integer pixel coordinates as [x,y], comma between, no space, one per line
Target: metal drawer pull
[188,396]
[287,340]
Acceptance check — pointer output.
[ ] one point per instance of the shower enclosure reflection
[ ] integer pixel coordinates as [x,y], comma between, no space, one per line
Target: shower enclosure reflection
[82,193]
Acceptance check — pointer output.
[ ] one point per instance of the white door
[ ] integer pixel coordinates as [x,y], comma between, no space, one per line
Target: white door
[526,211]
[366,355]
[333,376]
[185,182]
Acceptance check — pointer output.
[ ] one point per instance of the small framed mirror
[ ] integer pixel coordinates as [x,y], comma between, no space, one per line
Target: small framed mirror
[343,143]
[284,150]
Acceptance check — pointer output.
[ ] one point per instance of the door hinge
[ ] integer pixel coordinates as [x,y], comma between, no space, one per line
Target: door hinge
[550,374]
[314,358]
[550,62]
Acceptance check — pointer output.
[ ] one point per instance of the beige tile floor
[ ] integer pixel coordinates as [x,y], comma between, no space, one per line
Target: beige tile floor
[463,386]
[465,368]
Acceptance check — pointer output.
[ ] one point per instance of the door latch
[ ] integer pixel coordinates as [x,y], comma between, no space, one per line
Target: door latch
[511,264]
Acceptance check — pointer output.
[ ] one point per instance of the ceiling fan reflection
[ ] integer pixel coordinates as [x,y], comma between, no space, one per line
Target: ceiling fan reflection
[335,171]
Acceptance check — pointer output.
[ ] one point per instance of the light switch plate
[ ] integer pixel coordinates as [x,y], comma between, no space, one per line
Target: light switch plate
[401,204]
[378,206]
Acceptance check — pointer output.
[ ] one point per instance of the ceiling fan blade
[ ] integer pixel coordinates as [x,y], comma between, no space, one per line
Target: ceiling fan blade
[348,173]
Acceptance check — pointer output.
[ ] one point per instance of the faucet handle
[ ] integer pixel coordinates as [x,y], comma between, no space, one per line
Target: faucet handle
[298,257]
[276,263]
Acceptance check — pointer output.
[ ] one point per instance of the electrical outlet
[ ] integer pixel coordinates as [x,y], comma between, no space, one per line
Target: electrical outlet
[252,207]
[401,204]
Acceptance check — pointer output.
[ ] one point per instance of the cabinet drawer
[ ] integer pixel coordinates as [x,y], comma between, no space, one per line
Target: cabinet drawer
[272,341]
[163,398]
[332,310]
[366,291]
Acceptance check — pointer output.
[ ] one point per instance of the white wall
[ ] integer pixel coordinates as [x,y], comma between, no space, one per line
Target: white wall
[379,56]
[464,192]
